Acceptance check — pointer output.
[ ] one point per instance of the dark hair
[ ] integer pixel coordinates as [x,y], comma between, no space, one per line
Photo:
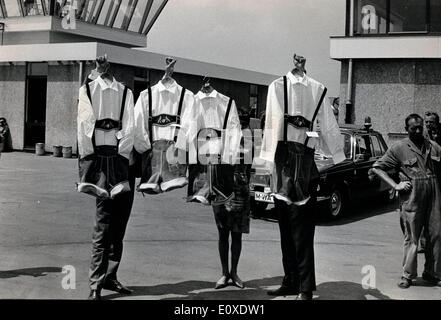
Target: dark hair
[410,117]
[431,113]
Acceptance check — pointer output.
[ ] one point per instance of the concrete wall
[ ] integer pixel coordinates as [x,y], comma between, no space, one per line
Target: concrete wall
[389,90]
[12,93]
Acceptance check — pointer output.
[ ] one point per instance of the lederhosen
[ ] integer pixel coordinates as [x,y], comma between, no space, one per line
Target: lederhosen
[159,175]
[211,183]
[104,173]
[295,166]
[296,181]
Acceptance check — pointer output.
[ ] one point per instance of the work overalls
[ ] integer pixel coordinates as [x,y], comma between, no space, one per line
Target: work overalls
[164,166]
[104,173]
[295,183]
[210,181]
[421,208]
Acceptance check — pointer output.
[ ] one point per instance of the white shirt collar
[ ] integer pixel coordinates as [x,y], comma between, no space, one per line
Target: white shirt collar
[172,88]
[202,95]
[296,79]
[104,85]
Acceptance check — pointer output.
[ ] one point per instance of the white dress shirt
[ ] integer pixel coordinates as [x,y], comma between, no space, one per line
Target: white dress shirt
[210,111]
[106,103]
[165,100]
[304,94]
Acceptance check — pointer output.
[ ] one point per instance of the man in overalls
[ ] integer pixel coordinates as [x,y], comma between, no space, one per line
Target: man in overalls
[418,160]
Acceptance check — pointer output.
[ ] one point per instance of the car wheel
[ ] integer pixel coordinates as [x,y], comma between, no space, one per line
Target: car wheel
[257,208]
[336,203]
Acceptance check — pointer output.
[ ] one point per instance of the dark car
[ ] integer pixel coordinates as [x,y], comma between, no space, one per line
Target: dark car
[339,184]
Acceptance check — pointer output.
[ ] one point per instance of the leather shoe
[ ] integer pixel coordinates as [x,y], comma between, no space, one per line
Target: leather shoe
[404,283]
[283,290]
[222,282]
[304,296]
[237,281]
[94,295]
[431,279]
[115,285]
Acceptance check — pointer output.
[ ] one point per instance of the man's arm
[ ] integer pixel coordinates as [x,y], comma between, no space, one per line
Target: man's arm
[402,186]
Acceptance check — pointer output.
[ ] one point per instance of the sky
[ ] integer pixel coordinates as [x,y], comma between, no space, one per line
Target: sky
[258,35]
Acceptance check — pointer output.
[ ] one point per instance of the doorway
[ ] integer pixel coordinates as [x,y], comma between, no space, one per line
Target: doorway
[35,111]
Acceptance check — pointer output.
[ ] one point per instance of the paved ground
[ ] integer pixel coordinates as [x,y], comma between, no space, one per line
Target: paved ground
[171,246]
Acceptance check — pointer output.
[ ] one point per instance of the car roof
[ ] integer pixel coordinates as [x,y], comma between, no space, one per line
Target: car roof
[348,128]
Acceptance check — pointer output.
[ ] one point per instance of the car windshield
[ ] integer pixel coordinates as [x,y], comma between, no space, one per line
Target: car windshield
[322,151]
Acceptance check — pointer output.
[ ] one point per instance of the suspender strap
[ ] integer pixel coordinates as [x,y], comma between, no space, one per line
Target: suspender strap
[224,135]
[181,102]
[318,108]
[121,114]
[316,112]
[88,92]
[90,99]
[285,115]
[123,103]
[227,114]
[150,113]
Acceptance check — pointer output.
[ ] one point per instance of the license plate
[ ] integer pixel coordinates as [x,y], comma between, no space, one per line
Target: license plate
[260,196]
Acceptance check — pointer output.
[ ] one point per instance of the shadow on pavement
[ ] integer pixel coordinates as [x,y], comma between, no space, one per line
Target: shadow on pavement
[34,272]
[345,290]
[204,290]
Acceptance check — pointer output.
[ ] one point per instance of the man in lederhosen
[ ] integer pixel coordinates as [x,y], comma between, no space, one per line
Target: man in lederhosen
[295,103]
[105,144]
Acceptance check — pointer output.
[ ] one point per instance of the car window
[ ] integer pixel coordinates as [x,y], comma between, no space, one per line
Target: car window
[363,147]
[377,149]
[347,145]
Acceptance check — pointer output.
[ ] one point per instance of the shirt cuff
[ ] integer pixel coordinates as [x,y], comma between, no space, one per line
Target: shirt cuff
[339,157]
[267,156]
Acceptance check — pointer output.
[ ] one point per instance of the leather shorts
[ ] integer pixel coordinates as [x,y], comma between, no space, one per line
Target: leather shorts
[104,174]
[162,168]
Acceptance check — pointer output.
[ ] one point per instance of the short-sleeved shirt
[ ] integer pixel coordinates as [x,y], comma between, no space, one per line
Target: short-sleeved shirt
[406,157]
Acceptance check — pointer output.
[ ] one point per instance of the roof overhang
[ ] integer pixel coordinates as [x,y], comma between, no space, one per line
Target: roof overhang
[387,47]
[88,51]
[54,24]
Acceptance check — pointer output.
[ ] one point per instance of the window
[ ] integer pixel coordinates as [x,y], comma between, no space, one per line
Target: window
[407,15]
[12,8]
[33,7]
[377,150]
[363,147]
[370,16]
[435,15]
[392,16]
[123,13]
[138,14]
[347,145]
[254,95]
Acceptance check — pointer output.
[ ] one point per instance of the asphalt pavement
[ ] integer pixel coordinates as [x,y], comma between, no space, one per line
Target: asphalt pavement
[171,246]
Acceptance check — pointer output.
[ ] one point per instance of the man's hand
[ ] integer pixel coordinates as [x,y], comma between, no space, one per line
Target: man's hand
[404,186]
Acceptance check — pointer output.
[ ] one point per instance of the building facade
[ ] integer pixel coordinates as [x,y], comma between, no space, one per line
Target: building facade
[48,47]
[391,62]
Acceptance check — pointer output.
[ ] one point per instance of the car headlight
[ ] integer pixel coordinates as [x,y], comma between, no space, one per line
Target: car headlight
[252,186]
[318,188]
[267,190]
